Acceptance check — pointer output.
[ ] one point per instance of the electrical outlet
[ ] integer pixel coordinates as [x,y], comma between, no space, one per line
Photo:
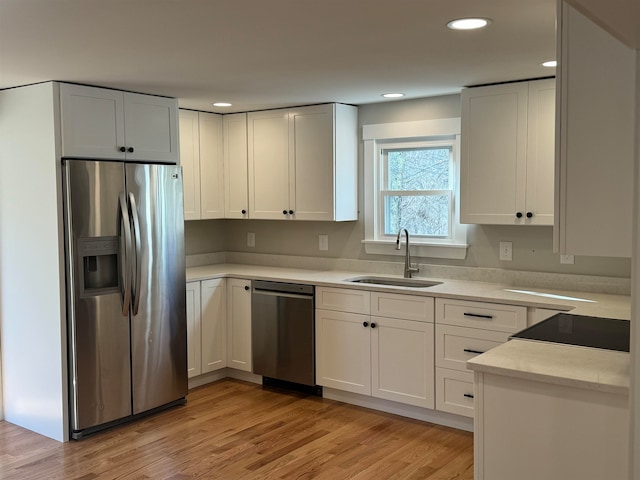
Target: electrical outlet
[323,242]
[567,259]
[506,251]
[251,239]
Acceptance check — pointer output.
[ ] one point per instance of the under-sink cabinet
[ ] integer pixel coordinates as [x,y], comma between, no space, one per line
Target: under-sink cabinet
[376,344]
[465,329]
[100,123]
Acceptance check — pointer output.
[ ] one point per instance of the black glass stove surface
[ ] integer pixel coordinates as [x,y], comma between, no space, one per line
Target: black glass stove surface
[596,332]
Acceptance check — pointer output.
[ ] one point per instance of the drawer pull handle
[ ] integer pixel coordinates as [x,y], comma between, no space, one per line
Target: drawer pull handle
[470,350]
[477,315]
[468,395]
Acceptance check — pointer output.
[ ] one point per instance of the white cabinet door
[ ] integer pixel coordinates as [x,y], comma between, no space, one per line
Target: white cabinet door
[311,173]
[343,351]
[211,166]
[402,366]
[214,325]
[92,122]
[194,351]
[151,128]
[190,161]
[239,324]
[596,140]
[268,150]
[493,153]
[100,123]
[540,152]
[236,189]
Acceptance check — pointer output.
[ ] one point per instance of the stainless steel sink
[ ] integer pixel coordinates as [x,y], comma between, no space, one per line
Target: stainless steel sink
[395,282]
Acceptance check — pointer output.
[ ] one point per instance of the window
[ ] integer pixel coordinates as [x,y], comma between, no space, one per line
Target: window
[411,181]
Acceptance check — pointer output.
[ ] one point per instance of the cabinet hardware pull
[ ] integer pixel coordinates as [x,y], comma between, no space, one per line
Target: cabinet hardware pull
[365,324]
[122,149]
[290,212]
[468,395]
[477,315]
[373,325]
[244,211]
[284,212]
[518,214]
[130,149]
[469,350]
[246,287]
[529,214]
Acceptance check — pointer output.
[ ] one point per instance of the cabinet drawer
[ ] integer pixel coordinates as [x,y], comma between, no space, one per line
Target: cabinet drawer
[487,316]
[408,307]
[343,300]
[456,345]
[454,391]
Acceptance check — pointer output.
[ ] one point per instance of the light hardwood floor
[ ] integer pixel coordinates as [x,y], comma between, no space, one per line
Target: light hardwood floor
[237,430]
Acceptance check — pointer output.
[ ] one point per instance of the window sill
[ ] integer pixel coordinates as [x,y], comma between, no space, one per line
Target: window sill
[454,251]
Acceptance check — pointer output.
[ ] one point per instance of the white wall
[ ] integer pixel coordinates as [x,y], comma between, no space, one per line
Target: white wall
[31,263]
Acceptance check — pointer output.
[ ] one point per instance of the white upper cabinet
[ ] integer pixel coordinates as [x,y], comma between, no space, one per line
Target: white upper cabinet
[202,167]
[507,154]
[236,186]
[109,124]
[303,163]
[595,159]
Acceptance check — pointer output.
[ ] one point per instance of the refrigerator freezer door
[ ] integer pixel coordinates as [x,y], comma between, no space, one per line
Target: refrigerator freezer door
[98,332]
[158,319]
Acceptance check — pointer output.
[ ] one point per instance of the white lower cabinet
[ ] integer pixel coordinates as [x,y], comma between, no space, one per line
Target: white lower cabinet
[387,357]
[465,329]
[239,324]
[206,326]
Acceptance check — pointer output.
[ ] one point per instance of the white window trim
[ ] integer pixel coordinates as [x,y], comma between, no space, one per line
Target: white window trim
[373,135]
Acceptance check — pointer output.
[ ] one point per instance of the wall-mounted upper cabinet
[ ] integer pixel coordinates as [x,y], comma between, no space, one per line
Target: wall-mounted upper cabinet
[507,154]
[202,167]
[302,163]
[236,181]
[109,124]
[595,159]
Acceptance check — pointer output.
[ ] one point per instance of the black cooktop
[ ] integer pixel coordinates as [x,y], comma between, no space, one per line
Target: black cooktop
[596,332]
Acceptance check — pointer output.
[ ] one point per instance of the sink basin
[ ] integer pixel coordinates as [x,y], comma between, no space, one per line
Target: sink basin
[395,282]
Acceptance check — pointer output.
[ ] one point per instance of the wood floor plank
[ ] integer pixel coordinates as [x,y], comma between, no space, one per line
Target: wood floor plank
[236,430]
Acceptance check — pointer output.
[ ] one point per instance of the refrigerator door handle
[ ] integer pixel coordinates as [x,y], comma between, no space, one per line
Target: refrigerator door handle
[123,220]
[138,253]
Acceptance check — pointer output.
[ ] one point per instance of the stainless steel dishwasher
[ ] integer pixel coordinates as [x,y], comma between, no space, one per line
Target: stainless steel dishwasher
[283,333]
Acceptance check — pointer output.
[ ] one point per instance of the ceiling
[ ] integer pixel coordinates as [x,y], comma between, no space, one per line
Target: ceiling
[260,54]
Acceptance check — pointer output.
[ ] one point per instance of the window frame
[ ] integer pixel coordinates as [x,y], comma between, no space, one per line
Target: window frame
[426,133]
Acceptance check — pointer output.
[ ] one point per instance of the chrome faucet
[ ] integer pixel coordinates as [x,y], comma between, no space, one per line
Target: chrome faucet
[408,268]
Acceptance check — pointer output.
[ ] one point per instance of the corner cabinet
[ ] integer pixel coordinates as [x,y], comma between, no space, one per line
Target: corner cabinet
[507,154]
[302,163]
[202,167]
[100,123]
[595,159]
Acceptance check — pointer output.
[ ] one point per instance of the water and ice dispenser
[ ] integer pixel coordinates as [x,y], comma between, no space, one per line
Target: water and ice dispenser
[99,265]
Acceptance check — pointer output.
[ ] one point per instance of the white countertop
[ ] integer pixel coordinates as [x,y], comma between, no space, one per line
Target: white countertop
[580,303]
[568,365]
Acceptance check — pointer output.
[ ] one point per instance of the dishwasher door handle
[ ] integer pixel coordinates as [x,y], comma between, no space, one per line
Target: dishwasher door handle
[270,293]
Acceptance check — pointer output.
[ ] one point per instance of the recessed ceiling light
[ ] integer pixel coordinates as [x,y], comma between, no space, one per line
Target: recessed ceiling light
[550,63]
[393,95]
[221,104]
[468,23]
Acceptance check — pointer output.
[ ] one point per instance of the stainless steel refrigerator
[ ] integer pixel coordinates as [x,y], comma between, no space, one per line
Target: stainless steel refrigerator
[124,233]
